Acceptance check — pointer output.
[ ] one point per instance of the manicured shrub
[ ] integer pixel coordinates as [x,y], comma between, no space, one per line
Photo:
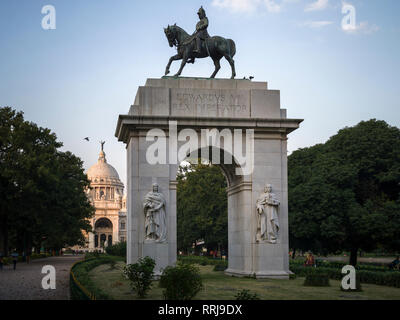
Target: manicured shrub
[141,275]
[370,266]
[94,254]
[118,249]
[317,280]
[388,278]
[81,273]
[220,267]
[246,295]
[182,282]
[39,255]
[201,260]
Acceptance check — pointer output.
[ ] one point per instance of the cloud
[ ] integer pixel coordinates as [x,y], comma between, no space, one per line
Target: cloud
[237,5]
[273,6]
[317,5]
[364,27]
[349,21]
[316,24]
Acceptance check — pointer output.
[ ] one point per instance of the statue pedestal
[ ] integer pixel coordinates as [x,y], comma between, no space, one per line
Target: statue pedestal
[160,253]
[203,104]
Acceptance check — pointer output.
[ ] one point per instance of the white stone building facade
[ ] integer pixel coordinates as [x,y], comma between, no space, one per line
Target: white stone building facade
[107,196]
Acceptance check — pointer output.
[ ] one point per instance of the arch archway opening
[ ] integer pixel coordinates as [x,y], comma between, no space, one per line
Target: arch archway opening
[203,204]
[103,229]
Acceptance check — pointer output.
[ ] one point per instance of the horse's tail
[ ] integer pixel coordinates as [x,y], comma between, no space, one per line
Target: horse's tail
[232,47]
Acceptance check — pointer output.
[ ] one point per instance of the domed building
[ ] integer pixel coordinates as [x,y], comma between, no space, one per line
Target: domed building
[107,196]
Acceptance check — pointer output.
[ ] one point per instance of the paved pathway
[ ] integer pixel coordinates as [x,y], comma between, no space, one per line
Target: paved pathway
[25,283]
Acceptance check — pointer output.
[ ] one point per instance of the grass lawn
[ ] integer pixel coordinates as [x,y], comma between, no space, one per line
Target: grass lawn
[218,286]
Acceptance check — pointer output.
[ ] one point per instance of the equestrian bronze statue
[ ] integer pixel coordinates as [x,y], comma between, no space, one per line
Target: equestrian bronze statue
[199,45]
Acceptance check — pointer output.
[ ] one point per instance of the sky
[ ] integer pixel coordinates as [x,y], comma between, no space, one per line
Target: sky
[77,78]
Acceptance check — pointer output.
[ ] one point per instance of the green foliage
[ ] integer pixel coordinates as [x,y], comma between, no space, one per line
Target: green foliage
[246,295]
[7,261]
[81,272]
[220,267]
[42,198]
[113,264]
[390,278]
[314,279]
[141,275]
[40,255]
[201,260]
[94,254]
[182,282]
[292,276]
[201,206]
[344,194]
[118,249]
[339,265]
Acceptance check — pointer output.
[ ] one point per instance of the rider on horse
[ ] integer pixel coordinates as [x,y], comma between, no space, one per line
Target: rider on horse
[215,47]
[201,30]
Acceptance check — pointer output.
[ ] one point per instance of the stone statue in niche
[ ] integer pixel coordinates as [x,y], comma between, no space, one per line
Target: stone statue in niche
[155,216]
[268,221]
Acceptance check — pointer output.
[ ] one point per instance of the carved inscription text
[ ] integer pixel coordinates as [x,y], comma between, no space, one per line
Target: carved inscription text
[209,103]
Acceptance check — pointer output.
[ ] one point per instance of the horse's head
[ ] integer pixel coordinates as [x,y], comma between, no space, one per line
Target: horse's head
[170,33]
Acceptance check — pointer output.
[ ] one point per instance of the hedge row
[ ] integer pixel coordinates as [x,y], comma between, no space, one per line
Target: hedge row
[118,249]
[8,260]
[317,280]
[81,287]
[339,265]
[391,279]
[201,260]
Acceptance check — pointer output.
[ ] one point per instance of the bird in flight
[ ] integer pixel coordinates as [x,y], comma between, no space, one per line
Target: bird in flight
[87,138]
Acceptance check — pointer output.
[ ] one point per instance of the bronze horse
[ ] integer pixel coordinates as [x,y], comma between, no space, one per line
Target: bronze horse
[215,47]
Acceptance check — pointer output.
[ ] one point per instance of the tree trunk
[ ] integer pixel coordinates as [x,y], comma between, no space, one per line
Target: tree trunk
[4,237]
[353,256]
[2,241]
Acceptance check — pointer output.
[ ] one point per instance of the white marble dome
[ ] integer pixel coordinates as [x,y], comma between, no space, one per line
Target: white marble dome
[104,181]
[102,170]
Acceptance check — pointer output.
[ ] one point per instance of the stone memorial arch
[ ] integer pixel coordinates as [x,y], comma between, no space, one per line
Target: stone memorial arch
[237,124]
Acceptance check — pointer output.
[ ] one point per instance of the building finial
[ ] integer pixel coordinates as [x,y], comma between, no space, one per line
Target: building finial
[102,155]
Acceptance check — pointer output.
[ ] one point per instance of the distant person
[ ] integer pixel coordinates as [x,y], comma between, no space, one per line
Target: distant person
[14,256]
[1,261]
[395,264]
[309,260]
[223,255]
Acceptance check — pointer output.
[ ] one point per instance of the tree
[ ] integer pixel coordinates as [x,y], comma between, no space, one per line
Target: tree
[344,194]
[201,206]
[42,189]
